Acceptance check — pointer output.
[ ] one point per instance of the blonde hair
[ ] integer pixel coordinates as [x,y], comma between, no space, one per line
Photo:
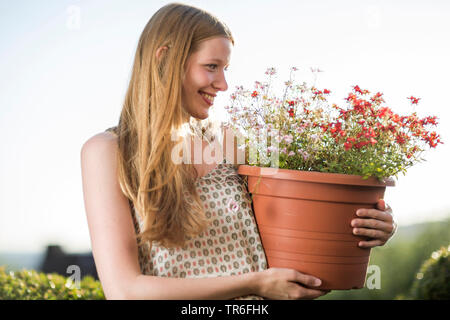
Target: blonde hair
[151,112]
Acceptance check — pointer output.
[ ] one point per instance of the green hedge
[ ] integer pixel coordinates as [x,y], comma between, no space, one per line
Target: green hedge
[433,279]
[32,285]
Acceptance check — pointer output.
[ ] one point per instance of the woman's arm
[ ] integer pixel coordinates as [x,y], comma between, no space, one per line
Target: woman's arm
[109,218]
[115,249]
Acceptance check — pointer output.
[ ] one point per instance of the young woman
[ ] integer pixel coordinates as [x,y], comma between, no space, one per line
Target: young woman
[164,230]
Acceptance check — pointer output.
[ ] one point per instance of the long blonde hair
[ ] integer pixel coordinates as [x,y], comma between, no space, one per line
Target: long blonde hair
[162,192]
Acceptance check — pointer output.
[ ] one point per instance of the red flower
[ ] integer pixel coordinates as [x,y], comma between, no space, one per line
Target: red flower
[358,89]
[370,133]
[380,126]
[392,128]
[291,112]
[361,144]
[347,145]
[414,100]
[254,94]
[326,91]
[377,98]
[401,138]
[382,112]
[432,139]
[431,120]
[396,118]
[351,97]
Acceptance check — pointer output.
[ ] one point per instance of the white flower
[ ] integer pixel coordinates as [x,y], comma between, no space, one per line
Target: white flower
[270,71]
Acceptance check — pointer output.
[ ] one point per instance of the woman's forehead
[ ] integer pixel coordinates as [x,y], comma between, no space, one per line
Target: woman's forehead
[218,49]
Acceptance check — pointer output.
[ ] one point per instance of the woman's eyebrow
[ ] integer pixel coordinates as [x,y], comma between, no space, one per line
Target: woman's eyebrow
[218,60]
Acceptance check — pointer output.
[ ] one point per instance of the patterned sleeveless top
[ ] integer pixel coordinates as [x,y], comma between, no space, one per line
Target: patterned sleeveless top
[230,246]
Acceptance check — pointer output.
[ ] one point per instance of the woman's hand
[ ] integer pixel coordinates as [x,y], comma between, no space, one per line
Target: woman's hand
[282,283]
[376,224]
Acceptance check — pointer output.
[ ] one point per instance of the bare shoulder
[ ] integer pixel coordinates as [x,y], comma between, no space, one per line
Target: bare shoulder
[99,162]
[103,144]
[101,138]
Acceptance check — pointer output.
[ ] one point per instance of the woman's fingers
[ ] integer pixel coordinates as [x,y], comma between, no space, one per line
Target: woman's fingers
[387,227]
[306,279]
[375,214]
[371,243]
[375,224]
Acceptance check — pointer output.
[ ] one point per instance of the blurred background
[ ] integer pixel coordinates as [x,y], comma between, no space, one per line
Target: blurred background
[65,66]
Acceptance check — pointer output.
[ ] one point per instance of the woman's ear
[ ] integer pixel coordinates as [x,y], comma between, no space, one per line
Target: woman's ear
[160,51]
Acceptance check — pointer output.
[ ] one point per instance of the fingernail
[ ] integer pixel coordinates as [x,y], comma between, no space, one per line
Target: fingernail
[318,282]
[358,213]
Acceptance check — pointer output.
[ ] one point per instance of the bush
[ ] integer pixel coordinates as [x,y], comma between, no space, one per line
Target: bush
[32,285]
[433,279]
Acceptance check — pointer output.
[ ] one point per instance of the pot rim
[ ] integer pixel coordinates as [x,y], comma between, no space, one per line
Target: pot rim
[313,176]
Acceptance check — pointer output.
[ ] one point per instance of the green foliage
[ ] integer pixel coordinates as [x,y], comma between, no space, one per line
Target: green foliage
[433,279]
[399,261]
[32,285]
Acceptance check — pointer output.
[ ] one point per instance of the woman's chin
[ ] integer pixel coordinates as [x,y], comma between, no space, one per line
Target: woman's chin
[201,115]
[200,112]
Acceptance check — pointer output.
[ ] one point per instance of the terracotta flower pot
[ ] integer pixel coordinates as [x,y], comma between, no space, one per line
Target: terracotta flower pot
[304,221]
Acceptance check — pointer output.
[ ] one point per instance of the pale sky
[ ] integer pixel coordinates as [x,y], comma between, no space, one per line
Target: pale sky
[64,68]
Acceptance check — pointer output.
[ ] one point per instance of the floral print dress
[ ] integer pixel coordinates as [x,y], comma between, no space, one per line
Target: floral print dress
[231,245]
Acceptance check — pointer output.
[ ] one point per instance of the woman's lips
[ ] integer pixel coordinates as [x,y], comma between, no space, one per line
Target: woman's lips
[207,98]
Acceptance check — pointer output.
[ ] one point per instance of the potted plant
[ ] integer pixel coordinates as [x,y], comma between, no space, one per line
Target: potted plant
[309,165]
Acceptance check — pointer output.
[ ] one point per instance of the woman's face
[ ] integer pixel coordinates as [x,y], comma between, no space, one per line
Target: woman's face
[205,76]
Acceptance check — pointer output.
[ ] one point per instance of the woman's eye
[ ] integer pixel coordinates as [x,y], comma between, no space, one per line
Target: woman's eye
[212,66]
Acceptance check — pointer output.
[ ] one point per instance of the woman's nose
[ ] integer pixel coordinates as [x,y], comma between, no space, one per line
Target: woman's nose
[220,83]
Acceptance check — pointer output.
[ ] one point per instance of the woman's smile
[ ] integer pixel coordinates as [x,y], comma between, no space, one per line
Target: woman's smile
[209,99]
